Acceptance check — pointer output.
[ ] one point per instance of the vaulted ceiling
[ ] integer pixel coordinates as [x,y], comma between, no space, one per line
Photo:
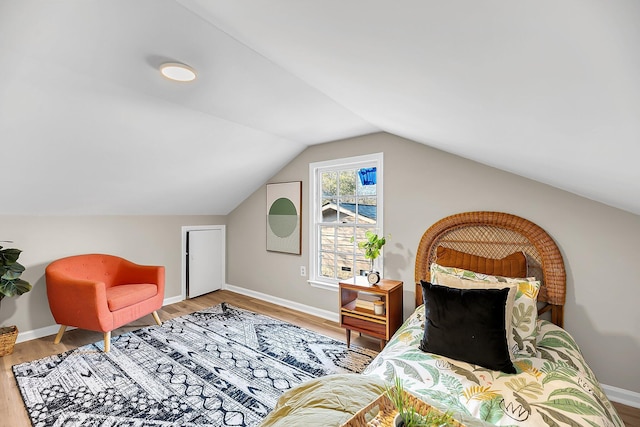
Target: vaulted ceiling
[545,89]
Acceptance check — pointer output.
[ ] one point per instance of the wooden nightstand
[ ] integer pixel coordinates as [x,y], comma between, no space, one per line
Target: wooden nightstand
[366,321]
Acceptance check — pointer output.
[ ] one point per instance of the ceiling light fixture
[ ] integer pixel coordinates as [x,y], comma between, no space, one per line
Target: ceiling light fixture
[178,72]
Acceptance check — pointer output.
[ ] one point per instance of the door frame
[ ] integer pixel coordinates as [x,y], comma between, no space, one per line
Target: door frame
[183,254]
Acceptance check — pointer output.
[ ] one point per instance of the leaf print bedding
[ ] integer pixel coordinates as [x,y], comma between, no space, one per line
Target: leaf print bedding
[555,388]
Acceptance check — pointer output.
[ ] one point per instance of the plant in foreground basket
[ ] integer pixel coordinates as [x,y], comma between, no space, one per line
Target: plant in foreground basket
[408,416]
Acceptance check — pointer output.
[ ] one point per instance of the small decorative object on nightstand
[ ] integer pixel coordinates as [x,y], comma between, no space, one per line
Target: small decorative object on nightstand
[379,323]
[372,246]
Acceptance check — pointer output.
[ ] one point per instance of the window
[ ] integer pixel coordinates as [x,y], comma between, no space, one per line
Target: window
[345,202]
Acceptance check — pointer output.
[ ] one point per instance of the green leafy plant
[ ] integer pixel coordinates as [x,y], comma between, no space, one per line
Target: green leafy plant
[372,245]
[10,271]
[409,416]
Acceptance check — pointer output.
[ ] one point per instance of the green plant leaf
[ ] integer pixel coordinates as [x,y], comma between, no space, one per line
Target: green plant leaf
[10,288]
[9,256]
[13,271]
[10,272]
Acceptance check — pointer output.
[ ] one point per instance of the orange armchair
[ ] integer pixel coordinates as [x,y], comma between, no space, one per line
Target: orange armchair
[102,292]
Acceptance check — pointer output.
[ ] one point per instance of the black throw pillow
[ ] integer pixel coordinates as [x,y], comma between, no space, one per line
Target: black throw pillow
[467,325]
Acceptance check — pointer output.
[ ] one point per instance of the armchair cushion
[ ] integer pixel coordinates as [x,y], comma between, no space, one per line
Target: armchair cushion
[122,296]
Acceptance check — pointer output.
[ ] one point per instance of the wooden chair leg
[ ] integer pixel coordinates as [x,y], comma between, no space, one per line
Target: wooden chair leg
[107,341]
[60,333]
[156,317]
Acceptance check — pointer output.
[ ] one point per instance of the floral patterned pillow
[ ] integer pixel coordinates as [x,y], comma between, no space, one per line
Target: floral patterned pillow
[525,311]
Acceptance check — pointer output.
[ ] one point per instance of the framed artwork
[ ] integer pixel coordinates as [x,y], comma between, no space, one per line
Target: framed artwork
[284,217]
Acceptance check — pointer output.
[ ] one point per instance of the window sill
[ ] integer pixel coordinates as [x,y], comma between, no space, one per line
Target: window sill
[323,285]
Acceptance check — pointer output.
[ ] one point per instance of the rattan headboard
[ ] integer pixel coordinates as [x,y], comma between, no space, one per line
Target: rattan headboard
[495,235]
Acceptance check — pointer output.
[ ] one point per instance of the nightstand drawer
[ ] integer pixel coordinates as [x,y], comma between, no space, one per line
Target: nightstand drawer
[363,325]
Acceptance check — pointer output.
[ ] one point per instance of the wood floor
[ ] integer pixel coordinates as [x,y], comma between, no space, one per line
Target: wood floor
[13,414]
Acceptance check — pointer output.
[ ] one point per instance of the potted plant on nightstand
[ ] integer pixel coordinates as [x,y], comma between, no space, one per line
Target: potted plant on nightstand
[10,285]
[372,246]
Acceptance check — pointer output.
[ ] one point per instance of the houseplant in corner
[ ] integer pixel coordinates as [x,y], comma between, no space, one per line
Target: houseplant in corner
[10,285]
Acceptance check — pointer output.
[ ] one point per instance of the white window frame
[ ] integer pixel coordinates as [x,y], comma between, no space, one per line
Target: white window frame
[315,209]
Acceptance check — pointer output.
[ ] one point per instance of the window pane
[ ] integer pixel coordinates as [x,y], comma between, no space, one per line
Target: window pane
[344,237]
[327,238]
[368,190]
[329,210]
[327,265]
[367,210]
[345,266]
[360,237]
[368,176]
[348,182]
[363,265]
[329,183]
[347,210]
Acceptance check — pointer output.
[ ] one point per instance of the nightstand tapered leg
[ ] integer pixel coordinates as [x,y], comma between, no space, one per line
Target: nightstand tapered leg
[348,337]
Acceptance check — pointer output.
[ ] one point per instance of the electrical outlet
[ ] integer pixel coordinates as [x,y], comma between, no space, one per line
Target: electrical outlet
[303,270]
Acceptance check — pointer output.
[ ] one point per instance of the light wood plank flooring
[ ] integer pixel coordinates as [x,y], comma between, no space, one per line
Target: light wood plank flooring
[13,414]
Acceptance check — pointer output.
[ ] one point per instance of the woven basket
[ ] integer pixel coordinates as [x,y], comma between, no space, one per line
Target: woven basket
[381,412]
[8,336]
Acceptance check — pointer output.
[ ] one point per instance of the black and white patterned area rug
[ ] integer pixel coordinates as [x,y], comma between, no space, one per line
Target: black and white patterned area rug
[223,366]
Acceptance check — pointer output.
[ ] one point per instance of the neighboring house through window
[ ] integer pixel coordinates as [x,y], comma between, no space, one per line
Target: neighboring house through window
[345,202]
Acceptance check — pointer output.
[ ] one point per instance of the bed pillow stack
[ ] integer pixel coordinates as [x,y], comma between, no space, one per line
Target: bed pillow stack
[456,328]
[522,332]
[467,325]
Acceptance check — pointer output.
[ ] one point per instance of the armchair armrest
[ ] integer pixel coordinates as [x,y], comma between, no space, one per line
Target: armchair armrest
[76,302]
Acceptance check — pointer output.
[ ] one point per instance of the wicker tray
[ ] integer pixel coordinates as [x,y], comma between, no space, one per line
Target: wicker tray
[381,412]
[8,337]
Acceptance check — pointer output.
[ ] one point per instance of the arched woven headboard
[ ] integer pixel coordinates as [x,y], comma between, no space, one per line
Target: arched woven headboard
[495,235]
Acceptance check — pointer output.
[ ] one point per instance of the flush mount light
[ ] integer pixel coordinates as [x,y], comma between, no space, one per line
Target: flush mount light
[178,72]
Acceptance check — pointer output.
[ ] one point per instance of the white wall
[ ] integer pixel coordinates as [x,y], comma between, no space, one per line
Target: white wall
[423,185]
[154,240]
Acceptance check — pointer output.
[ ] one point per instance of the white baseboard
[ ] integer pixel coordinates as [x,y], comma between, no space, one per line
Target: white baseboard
[172,300]
[325,314]
[39,333]
[620,395]
[53,329]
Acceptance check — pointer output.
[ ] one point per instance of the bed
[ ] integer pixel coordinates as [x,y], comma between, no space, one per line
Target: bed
[531,374]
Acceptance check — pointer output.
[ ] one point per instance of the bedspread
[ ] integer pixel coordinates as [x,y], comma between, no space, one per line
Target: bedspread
[556,388]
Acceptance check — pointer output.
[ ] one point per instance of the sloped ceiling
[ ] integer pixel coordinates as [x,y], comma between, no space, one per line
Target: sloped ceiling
[548,90]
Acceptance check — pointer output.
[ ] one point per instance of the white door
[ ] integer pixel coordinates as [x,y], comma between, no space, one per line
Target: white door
[205,261]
